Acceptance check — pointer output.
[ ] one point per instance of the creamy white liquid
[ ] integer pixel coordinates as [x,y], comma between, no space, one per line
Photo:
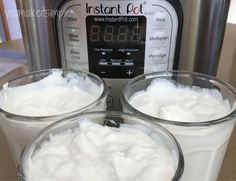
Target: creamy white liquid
[204,146]
[94,152]
[52,95]
[166,100]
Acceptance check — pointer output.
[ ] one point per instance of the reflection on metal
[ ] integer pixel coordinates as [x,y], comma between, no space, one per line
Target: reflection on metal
[38,35]
[203,32]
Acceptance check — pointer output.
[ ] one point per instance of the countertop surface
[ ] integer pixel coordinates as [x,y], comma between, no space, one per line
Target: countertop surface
[16,63]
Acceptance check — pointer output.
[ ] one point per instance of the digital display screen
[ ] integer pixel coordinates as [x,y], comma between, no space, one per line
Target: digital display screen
[116,29]
[116,45]
[110,33]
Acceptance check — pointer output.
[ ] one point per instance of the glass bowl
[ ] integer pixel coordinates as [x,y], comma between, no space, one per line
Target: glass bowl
[19,129]
[111,119]
[204,142]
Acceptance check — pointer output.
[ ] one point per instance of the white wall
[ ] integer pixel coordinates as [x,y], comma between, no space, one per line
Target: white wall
[232,12]
[12,19]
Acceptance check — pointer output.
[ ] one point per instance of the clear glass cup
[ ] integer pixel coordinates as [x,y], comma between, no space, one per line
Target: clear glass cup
[203,143]
[20,129]
[112,119]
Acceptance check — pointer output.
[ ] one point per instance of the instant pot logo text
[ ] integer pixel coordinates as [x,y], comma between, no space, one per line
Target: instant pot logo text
[101,9]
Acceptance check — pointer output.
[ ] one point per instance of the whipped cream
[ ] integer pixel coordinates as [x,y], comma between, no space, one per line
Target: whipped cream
[94,152]
[51,95]
[167,100]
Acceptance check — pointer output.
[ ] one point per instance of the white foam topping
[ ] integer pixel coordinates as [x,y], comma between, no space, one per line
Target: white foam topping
[52,95]
[167,100]
[94,152]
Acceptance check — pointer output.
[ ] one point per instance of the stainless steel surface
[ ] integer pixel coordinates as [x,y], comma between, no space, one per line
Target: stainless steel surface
[203,32]
[38,34]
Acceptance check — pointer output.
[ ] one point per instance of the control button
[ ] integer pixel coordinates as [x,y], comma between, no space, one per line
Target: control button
[161,18]
[129,64]
[129,73]
[73,53]
[158,56]
[73,36]
[159,37]
[116,63]
[71,17]
[103,63]
[75,57]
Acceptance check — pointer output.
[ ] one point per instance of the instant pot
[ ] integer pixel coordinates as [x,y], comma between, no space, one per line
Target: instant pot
[120,39]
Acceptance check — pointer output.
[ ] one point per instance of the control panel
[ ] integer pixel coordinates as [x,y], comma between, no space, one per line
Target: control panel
[117,45]
[119,39]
